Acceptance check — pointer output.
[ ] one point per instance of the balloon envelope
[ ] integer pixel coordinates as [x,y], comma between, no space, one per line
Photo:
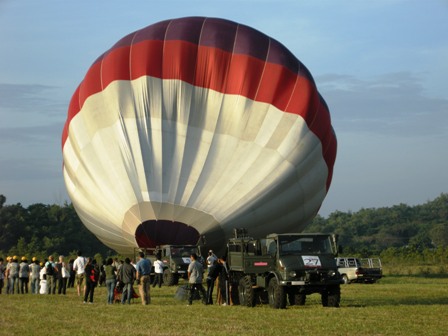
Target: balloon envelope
[195,126]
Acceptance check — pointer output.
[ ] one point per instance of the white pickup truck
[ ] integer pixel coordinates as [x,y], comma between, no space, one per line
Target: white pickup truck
[363,270]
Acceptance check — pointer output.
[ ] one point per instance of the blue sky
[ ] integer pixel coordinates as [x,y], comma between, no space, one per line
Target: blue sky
[382,67]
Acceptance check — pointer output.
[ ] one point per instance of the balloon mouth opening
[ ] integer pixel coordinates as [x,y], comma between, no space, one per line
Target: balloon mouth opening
[151,233]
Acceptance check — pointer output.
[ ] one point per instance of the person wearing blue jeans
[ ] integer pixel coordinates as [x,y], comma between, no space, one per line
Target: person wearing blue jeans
[127,277]
[111,280]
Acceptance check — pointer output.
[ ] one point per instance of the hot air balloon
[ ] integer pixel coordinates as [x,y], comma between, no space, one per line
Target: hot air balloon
[192,127]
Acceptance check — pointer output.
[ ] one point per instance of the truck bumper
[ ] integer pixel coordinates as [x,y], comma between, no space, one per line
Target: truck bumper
[303,283]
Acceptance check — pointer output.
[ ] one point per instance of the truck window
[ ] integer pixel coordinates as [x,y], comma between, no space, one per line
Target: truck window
[272,246]
[251,248]
[234,248]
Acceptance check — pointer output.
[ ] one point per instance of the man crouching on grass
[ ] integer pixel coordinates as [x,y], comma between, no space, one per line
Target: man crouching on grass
[195,272]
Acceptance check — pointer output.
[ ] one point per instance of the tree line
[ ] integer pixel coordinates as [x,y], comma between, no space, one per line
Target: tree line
[399,234]
[41,230]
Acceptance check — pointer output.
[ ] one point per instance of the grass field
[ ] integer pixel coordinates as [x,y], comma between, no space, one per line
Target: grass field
[397,305]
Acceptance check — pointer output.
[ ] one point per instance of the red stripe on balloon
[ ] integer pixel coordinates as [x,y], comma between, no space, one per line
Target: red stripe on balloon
[204,67]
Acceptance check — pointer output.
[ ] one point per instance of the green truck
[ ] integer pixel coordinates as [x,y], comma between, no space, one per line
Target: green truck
[283,267]
[176,259]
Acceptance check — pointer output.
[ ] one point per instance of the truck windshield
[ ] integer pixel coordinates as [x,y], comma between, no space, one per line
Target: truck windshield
[305,245]
[186,251]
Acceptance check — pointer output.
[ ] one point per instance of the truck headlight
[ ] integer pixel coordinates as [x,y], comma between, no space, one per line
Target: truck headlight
[292,274]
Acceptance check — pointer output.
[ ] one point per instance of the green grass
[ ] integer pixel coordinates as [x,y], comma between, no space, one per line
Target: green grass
[397,305]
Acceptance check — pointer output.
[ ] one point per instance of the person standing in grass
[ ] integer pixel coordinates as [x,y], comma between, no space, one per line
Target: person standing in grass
[158,269]
[213,273]
[143,277]
[79,267]
[12,271]
[127,277]
[34,276]
[63,275]
[111,279]
[223,285]
[42,279]
[51,272]
[71,279]
[24,275]
[195,273]
[92,275]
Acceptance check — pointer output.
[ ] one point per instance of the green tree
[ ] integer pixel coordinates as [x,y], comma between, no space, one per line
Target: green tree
[439,234]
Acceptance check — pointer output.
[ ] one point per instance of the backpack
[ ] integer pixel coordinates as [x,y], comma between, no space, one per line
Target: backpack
[94,272]
[50,268]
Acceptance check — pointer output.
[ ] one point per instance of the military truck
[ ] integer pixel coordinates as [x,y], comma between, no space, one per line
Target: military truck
[283,267]
[176,259]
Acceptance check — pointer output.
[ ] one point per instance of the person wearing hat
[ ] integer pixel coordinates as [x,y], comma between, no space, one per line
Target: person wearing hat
[24,275]
[12,269]
[34,277]
[211,259]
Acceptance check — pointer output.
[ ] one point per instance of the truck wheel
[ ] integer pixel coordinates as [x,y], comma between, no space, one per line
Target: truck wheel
[170,279]
[331,297]
[277,295]
[246,292]
[345,279]
[300,299]
[263,295]
[295,298]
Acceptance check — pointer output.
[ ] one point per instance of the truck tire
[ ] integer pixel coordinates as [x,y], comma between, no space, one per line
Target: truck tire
[295,298]
[277,295]
[246,292]
[170,279]
[331,297]
[345,279]
[299,299]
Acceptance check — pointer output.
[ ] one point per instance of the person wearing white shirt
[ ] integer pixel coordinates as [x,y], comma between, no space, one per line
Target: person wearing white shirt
[211,259]
[158,269]
[79,266]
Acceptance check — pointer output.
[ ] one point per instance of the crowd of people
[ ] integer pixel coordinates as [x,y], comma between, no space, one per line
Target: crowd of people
[20,276]
[51,277]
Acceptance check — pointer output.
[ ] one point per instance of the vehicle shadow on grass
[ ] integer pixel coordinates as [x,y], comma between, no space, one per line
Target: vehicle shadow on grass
[419,275]
[394,301]
[399,302]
